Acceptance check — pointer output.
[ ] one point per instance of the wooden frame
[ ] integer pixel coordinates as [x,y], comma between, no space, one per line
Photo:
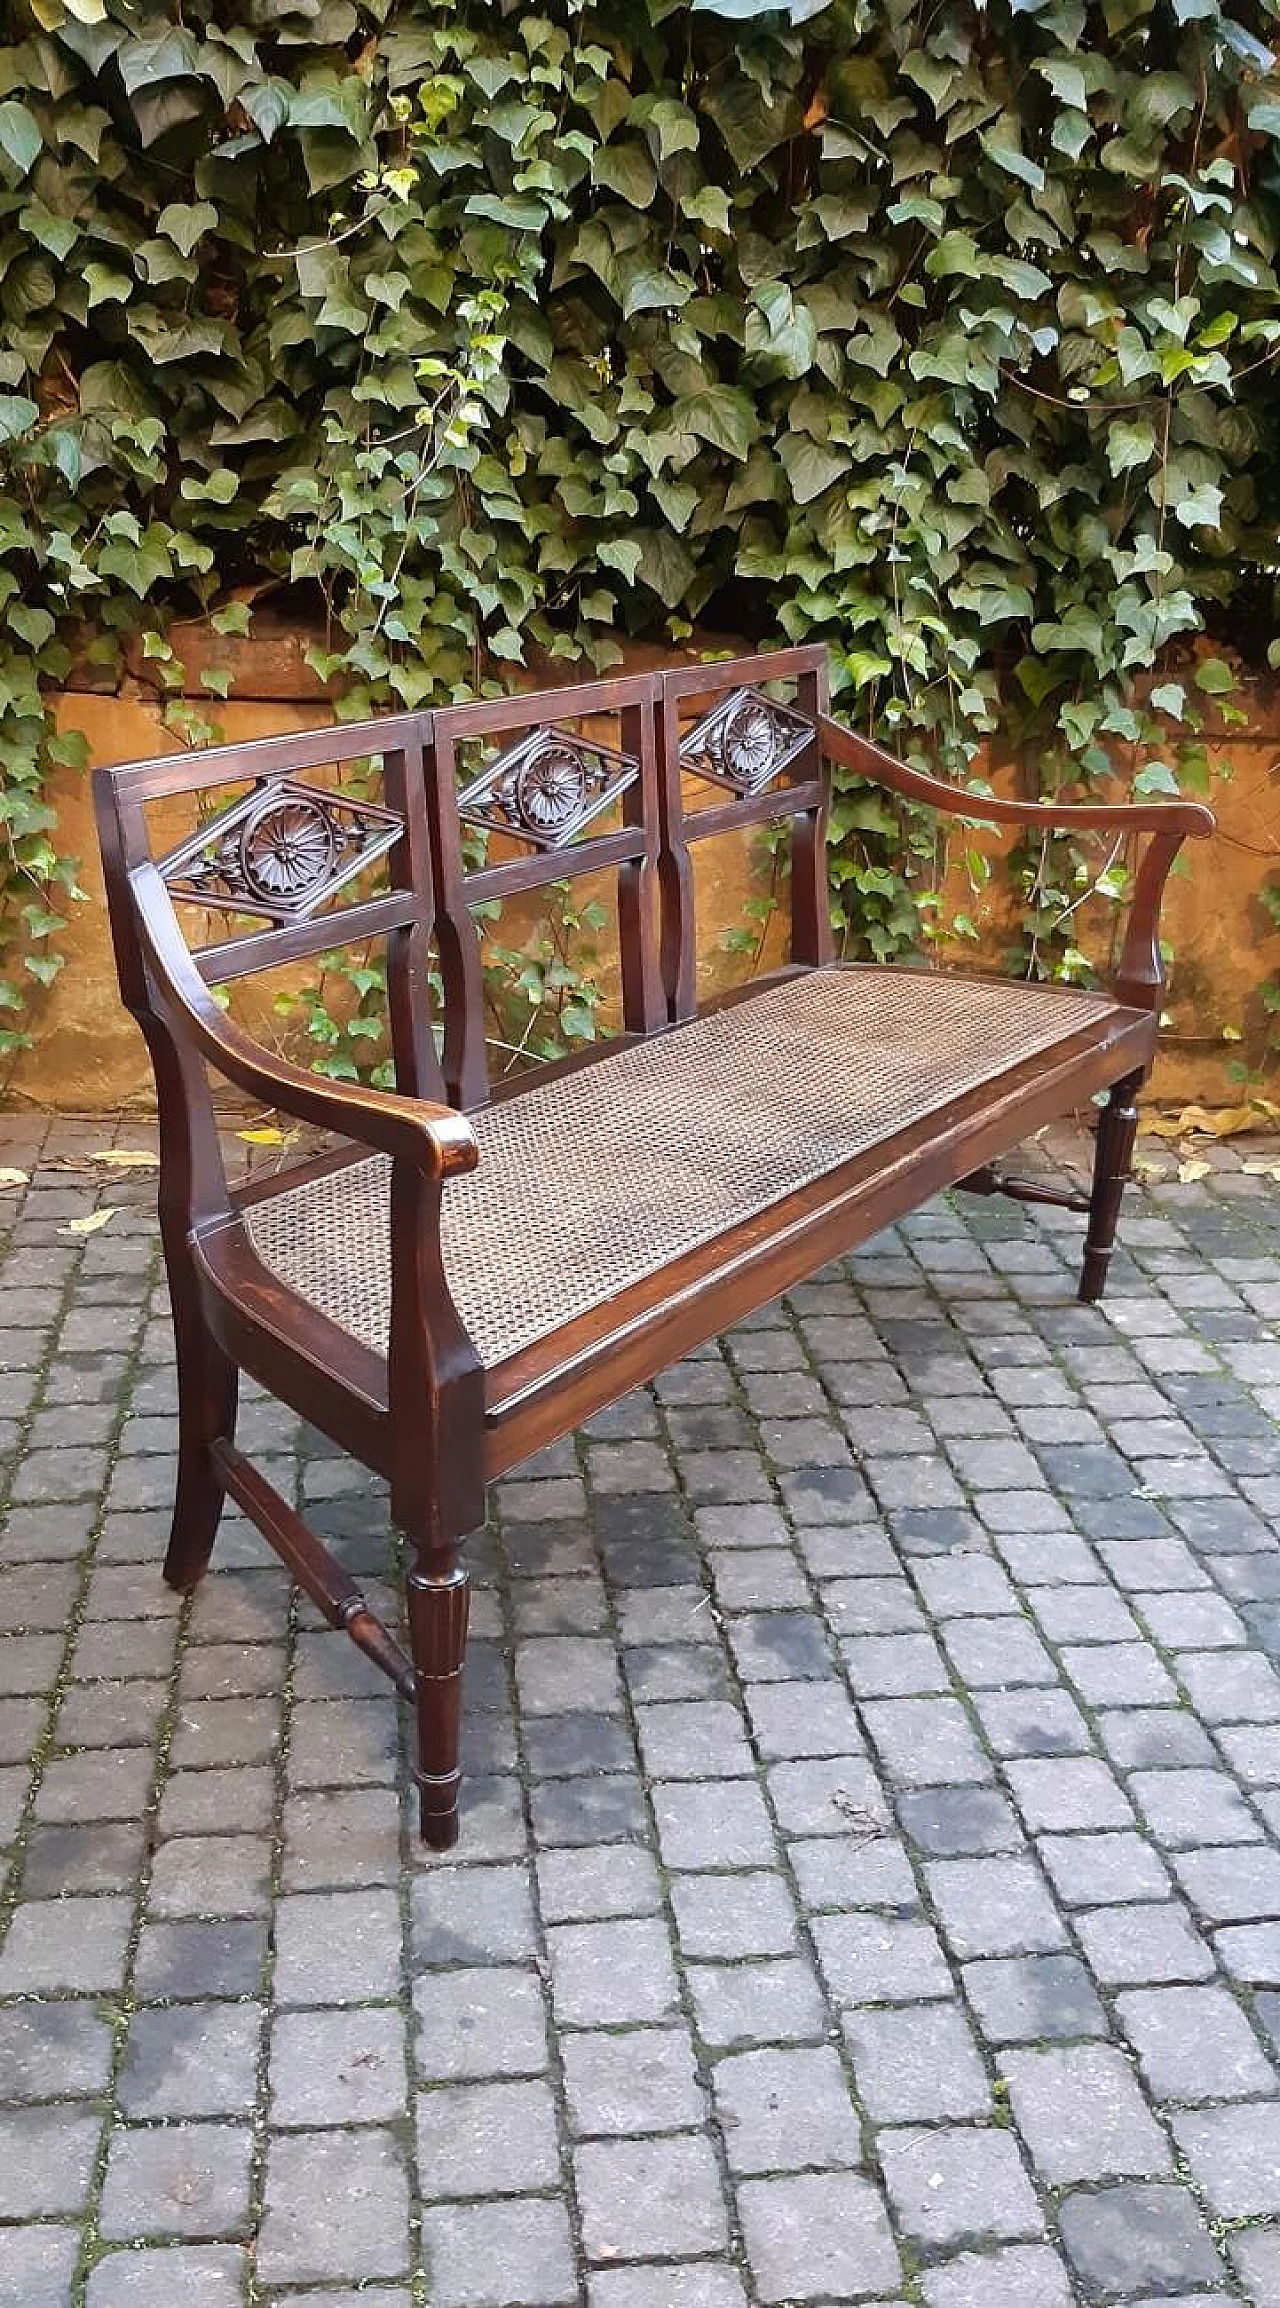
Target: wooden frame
[428,1415]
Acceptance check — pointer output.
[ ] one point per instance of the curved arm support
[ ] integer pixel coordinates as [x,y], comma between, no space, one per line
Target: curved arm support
[871,761]
[1139,980]
[434,1139]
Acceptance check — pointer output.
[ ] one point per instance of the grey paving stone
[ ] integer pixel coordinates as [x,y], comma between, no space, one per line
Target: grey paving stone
[482,2022]
[337,1946]
[199,1959]
[1140,1946]
[337,2206]
[494,2254]
[731,1915]
[46,2160]
[872,1959]
[473,1915]
[211,1875]
[776,2000]
[990,1907]
[1082,2116]
[709,2284]
[951,2186]
[1234,2153]
[1121,2240]
[926,1742]
[336,2067]
[722,1825]
[818,2236]
[1256,2257]
[1032,1722]
[786,2111]
[1195,2044]
[1021,2276]
[51,2051]
[642,2199]
[179,2180]
[624,2082]
[199,2276]
[37,2265]
[1185,1808]
[828,1797]
[494,2139]
[917,2064]
[949,1822]
[1092,1870]
[1231,1883]
[199,2059]
[1024,1999]
[66,1943]
[604,1974]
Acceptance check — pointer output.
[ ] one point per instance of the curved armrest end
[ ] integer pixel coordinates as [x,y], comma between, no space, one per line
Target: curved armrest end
[437,1139]
[871,761]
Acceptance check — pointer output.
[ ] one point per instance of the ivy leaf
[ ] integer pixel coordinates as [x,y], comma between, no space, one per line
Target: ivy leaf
[1214,677]
[20,138]
[721,415]
[811,468]
[665,565]
[1170,697]
[516,214]
[620,553]
[186,223]
[999,145]
[676,128]
[1129,444]
[106,286]
[1200,508]
[1156,777]
[626,169]
[17,415]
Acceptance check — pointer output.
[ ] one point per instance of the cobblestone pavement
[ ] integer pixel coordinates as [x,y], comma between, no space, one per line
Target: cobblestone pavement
[870,1880]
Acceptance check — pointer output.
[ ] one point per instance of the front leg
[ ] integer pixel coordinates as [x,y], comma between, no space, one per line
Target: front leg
[1112,1168]
[439,1607]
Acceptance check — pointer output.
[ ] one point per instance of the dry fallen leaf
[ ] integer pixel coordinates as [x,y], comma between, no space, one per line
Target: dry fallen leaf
[126,1158]
[1261,1169]
[89,1225]
[1215,1122]
[15,1178]
[264,1137]
[1189,1172]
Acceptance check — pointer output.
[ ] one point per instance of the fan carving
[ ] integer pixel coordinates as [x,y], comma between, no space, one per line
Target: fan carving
[545,789]
[746,741]
[279,852]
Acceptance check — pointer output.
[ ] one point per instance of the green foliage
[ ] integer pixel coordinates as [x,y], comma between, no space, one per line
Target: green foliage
[945,335]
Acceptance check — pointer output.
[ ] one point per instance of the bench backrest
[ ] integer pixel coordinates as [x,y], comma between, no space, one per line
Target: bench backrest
[602,775]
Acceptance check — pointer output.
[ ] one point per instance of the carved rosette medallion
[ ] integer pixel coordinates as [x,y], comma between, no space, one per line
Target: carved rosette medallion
[287,849]
[280,851]
[745,742]
[547,788]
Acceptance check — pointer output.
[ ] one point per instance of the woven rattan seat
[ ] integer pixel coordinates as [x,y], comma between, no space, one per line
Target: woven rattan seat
[593,1180]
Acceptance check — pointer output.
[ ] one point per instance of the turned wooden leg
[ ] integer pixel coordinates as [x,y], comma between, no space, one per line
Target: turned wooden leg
[1113,1157]
[207,1386]
[439,1602]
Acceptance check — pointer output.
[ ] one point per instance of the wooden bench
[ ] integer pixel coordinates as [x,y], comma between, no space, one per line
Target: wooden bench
[480,1267]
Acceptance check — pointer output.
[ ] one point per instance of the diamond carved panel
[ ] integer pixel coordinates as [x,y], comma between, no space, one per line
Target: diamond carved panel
[745,742]
[279,852]
[546,788]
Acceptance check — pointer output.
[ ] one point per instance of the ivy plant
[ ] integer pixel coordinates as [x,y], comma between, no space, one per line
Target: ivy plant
[492,335]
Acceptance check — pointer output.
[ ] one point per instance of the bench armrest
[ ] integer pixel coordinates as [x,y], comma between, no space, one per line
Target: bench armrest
[871,761]
[435,1139]
[1140,977]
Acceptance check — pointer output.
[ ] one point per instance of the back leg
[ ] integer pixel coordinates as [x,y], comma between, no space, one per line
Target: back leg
[207,1390]
[1112,1168]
